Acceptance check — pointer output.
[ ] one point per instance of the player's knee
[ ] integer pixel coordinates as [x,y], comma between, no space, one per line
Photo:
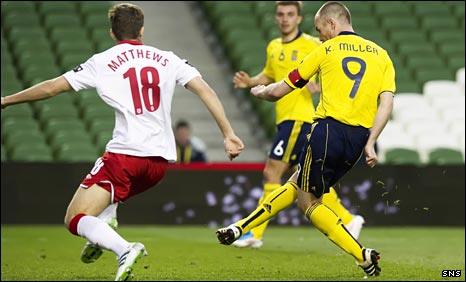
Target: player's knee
[71,222]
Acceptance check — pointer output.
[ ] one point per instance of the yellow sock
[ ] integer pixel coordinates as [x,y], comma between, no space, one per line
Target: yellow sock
[258,231]
[332,201]
[328,223]
[276,201]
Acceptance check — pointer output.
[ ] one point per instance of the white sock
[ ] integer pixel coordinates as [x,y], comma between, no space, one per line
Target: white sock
[109,212]
[100,233]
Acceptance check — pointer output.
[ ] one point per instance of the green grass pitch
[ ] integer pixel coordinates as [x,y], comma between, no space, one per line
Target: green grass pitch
[192,253]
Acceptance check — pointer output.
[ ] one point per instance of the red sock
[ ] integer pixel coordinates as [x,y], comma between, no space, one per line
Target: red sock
[73,226]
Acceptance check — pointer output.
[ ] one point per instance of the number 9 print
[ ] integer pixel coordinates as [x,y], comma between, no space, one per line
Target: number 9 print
[357,77]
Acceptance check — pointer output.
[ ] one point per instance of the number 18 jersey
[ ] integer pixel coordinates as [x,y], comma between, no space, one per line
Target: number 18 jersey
[353,72]
[138,82]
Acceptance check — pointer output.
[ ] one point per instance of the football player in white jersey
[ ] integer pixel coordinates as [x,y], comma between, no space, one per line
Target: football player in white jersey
[138,82]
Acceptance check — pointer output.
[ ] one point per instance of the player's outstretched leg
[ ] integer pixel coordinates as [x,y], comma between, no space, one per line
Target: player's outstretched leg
[274,203]
[81,220]
[92,252]
[352,222]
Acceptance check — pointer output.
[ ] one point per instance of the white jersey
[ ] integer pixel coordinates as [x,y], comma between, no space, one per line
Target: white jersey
[138,81]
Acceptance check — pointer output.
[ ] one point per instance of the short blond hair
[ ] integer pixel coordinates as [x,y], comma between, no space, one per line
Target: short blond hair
[297,4]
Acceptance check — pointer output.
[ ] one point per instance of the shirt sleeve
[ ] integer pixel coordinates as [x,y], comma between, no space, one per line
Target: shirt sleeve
[388,83]
[300,76]
[185,73]
[83,76]
[268,70]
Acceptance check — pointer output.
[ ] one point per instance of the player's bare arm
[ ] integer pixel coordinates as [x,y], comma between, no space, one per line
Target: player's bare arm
[233,145]
[383,115]
[272,92]
[40,91]
[243,80]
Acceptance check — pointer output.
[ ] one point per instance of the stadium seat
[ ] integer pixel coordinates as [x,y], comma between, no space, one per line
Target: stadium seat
[22,110]
[58,7]
[63,20]
[70,135]
[445,156]
[431,23]
[34,152]
[94,7]
[422,128]
[402,156]
[97,21]
[400,22]
[434,9]
[460,78]
[440,87]
[77,152]
[425,143]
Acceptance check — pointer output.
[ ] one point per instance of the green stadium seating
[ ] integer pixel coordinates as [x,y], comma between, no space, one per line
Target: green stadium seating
[69,35]
[17,6]
[264,7]
[429,10]
[17,137]
[77,152]
[65,136]
[58,7]
[20,19]
[452,48]
[53,20]
[231,22]
[97,21]
[444,156]
[456,62]
[23,124]
[421,62]
[102,138]
[439,36]
[32,153]
[393,8]
[431,23]
[427,74]
[22,110]
[94,7]
[401,156]
[399,23]
[48,111]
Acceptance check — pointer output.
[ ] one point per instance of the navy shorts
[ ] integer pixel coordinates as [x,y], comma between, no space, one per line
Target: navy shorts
[289,141]
[332,149]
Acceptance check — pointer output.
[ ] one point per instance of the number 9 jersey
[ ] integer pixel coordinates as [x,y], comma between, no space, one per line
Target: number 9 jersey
[353,72]
[138,82]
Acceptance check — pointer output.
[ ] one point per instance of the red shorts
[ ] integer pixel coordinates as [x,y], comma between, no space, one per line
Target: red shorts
[125,176]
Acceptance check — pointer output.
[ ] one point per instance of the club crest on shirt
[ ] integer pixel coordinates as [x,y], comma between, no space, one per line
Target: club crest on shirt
[294,55]
[282,56]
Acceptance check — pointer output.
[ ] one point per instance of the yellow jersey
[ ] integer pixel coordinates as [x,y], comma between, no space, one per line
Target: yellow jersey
[353,72]
[281,59]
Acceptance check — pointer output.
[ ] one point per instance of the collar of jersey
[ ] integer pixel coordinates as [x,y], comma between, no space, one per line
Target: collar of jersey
[132,42]
[347,33]
[297,36]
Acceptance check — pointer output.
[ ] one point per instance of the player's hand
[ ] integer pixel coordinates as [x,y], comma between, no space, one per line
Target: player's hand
[371,155]
[313,87]
[233,146]
[241,80]
[3,103]
[258,90]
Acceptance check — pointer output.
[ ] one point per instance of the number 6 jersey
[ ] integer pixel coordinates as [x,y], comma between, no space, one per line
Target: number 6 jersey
[138,82]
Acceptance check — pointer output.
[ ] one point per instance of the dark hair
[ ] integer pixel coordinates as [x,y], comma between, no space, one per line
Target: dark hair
[182,123]
[297,4]
[126,21]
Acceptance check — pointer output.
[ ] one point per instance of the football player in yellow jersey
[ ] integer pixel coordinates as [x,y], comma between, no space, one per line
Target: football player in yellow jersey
[294,113]
[358,83]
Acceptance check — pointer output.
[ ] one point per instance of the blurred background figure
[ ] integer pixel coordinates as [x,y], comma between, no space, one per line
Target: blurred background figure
[188,148]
